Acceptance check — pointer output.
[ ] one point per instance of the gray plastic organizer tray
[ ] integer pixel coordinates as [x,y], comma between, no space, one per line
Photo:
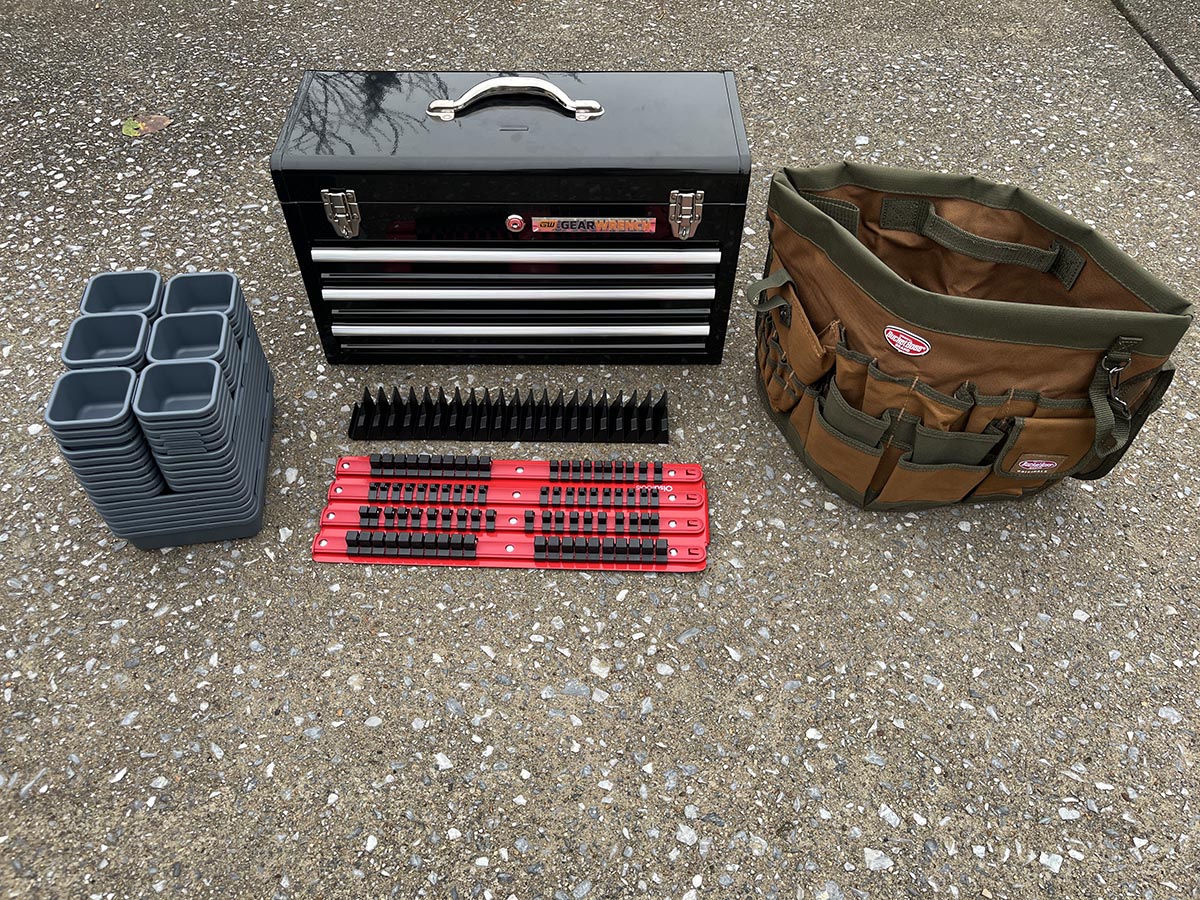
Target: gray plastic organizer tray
[216,494]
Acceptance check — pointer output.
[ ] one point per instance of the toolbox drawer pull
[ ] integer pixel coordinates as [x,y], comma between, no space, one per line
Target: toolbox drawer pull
[515,84]
[518,294]
[566,257]
[500,330]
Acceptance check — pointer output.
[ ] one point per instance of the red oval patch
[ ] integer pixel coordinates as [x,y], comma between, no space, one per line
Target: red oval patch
[904,341]
[1037,465]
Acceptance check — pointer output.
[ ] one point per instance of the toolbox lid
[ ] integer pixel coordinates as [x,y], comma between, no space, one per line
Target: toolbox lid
[643,133]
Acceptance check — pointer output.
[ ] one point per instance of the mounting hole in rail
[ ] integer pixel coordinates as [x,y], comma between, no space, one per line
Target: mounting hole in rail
[509,548]
[337,490]
[323,543]
[671,524]
[516,495]
[671,472]
[512,520]
[345,465]
[520,470]
[330,516]
[674,552]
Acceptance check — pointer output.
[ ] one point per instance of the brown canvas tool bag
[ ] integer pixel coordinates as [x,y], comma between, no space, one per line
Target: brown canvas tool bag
[926,339]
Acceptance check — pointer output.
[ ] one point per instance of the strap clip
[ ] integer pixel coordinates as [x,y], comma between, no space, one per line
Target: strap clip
[1115,365]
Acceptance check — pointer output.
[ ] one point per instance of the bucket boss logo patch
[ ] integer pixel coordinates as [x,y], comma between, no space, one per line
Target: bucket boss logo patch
[904,341]
[1031,463]
[596,226]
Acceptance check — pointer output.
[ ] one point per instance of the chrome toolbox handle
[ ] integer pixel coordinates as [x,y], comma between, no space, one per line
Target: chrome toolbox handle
[515,84]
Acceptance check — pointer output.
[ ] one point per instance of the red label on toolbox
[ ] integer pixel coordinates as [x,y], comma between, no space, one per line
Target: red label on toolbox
[595,226]
[474,511]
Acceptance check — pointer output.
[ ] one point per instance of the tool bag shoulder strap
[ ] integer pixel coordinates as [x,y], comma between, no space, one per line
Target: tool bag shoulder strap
[927,338]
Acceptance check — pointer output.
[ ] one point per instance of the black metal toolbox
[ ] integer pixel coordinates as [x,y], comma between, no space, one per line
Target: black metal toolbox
[497,217]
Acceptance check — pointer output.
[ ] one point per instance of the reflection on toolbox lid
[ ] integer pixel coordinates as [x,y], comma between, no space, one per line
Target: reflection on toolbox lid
[652,123]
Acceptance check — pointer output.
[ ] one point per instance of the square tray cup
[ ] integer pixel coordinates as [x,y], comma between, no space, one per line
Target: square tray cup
[112,491]
[198,471]
[115,495]
[183,458]
[202,335]
[182,461]
[193,486]
[217,513]
[191,456]
[183,510]
[238,488]
[129,456]
[207,429]
[255,411]
[207,471]
[90,404]
[208,291]
[183,395]
[191,443]
[214,515]
[213,466]
[106,340]
[87,441]
[207,478]
[238,530]
[112,483]
[90,462]
[123,292]
[97,473]
[202,448]
[171,518]
[212,437]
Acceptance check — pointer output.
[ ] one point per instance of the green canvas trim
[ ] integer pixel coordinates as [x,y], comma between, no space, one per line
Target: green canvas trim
[847,420]
[843,212]
[754,292]
[992,320]
[932,447]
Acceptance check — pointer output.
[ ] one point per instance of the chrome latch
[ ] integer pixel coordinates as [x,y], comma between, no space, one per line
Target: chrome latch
[341,209]
[685,212]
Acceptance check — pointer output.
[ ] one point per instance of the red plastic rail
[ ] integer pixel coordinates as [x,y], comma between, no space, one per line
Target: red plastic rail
[475,511]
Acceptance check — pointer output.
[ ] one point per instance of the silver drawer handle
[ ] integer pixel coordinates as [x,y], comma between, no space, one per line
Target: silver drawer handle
[515,84]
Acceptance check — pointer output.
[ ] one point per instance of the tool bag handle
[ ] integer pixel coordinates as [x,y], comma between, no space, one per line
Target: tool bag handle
[920,217]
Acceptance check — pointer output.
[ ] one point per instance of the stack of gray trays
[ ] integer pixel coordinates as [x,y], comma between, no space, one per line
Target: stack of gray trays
[164,414]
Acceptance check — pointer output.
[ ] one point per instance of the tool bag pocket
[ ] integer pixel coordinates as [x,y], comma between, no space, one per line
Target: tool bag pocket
[927,339]
[844,443]
[883,392]
[914,484]
[788,343]
[779,386]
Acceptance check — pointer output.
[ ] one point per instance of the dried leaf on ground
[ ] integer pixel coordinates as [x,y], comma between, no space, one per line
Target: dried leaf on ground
[144,123]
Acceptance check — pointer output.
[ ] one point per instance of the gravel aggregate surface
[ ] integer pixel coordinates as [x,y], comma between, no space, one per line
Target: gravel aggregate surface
[993,702]
[1176,28]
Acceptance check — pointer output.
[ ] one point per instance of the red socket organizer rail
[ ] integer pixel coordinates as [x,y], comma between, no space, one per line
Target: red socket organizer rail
[429,510]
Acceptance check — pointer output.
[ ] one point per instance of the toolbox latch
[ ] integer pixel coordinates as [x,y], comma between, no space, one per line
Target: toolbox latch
[686,210]
[341,209]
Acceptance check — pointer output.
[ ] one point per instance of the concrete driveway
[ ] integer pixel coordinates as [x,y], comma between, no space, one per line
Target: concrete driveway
[978,702]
